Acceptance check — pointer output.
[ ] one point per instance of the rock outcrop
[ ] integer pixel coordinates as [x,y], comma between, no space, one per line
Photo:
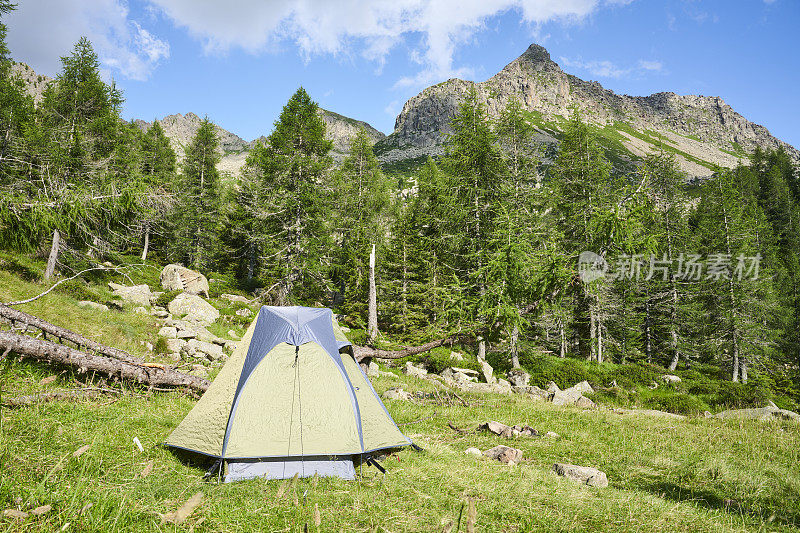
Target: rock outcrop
[703,130]
[179,278]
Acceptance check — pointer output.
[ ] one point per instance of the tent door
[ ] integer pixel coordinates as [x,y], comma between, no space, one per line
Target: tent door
[282,468]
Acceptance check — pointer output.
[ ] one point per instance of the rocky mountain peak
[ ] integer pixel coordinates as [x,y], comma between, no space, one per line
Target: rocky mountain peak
[703,132]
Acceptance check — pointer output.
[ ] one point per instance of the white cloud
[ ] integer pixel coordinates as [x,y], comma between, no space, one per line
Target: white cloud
[433,29]
[41,31]
[607,69]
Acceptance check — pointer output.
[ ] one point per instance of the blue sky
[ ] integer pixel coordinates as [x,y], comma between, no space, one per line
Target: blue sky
[238,62]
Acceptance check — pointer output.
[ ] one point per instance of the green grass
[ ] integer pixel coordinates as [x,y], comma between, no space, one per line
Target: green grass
[695,474]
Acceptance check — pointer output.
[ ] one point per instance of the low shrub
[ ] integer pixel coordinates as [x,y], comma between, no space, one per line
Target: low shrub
[684,404]
[564,372]
[161,346]
[78,289]
[631,375]
[732,395]
[20,269]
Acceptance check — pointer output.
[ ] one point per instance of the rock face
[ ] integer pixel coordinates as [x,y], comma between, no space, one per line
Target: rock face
[582,474]
[701,127]
[341,130]
[34,83]
[179,278]
[194,307]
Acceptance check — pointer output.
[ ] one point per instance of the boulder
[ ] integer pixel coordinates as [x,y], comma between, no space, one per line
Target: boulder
[413,370]
[504,454]
[396,393]
[566,397]
[168,332]
[186,334]
[179,278]
[583,387]
[92,305]
[137,294]
[585,403]
[669,378]
[519,378]
[584,475]
[194,307]
[488,371]
[207,349]
[234,298]
[552,388]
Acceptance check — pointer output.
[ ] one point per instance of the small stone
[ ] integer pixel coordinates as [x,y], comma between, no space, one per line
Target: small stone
[504,454]
[552,435]
[373,369]
[413,370]
[92,305]
[244,312]
[186,334]
[159,312]
[168,332]
[473,451]
[584,475]
[175,356]
[15,514]
[140,310]
[149,346]
[669,378]
[396,393]
[41,510]
[233,335]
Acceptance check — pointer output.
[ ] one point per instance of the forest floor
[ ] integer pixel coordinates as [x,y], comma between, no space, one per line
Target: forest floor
[692,474]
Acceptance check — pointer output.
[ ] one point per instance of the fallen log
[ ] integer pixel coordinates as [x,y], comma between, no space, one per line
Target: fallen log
[82,361]
[14,316]
[364,352]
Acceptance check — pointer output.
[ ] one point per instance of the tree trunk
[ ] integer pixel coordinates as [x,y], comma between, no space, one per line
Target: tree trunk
[83,362]
[648,344]
[53,257]
[146,247]
[562,353]
[673,327]
[743,369]
[592,334]
[372,321]
[16,316]
[514,347]
[599,340]
[481,350]
[251,261]
[362,352]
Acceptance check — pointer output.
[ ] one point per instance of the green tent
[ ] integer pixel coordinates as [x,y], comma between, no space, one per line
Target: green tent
[290,400]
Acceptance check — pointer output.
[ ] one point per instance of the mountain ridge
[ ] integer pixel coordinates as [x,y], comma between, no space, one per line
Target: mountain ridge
[703,131]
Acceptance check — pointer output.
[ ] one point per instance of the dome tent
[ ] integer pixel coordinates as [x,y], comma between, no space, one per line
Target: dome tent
[288,402]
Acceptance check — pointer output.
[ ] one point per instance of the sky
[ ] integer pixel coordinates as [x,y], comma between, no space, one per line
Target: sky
[238,61]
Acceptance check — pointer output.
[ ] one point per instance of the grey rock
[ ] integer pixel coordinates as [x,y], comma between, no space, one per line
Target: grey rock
[168,332]
[140,310]
[519,378]
[583,387]
[649,412]
[456,356]
[373,369]
[92,305]
[584,475]
[137,294]
[194,307]
[412,370]
[585,403]
[210,350]
[233,335]
[244,312]
[159,312]
[552,388]
[473,451]
[498,428]
[175,345]
[669,378]
[488,372]
[552,435]
[179,278]
[199,371]
[396,393]
[535,392]
[504,454]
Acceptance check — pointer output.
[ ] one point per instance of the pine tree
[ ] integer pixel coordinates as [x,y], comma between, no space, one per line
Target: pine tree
[293,166]
[158,166]
[197,220]
[360,193]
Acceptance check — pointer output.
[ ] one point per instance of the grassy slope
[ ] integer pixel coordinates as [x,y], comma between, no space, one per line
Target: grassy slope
[690,475]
